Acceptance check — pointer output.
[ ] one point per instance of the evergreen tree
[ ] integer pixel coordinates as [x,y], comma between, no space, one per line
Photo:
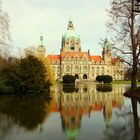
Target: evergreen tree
[33,73]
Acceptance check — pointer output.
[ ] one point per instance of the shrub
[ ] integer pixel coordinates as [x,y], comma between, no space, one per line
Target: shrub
[32,75]
[26,76]
[104,78]
[69,79]
[5,89]
[10,76]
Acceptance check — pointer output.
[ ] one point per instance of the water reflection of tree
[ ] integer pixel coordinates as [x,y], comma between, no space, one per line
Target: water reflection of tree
[128,128]
[104,88]
[25,111]
[68,88]
[136,119]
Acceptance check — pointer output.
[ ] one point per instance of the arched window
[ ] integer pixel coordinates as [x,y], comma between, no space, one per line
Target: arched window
[84,76]
[67,68]
[72,48]
[67,58]
[76,58]
[76,76]
[85,69]
[84,58]
[76,69]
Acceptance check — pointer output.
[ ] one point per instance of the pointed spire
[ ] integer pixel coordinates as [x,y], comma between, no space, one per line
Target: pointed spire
[106,43]
[70,24]
[41,44]
[41,40]
[70,18]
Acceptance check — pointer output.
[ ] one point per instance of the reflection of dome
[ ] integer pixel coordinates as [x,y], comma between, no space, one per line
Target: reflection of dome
[70,34]
[71,134]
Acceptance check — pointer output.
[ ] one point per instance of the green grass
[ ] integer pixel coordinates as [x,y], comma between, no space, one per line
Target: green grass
[123,82]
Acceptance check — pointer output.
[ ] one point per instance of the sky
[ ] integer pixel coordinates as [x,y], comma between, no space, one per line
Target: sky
[29,19]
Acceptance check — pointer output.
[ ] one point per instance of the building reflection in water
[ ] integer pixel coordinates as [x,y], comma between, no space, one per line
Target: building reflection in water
[85,99]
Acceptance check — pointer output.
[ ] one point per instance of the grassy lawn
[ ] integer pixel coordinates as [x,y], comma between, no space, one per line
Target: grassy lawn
[123,82]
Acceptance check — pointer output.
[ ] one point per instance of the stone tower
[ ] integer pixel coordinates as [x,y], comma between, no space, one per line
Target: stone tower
[70,39]
[106,53]
[41,46]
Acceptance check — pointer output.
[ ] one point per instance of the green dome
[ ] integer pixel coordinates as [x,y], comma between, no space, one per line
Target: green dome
[70,34]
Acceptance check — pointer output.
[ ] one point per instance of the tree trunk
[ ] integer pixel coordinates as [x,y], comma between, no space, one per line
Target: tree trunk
[134,52]
[134,78]
[136,119]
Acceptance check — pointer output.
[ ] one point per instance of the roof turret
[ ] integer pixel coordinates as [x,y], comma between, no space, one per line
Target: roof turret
[70,33]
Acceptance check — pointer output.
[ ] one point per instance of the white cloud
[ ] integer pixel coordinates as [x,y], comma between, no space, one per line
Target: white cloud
[31,18]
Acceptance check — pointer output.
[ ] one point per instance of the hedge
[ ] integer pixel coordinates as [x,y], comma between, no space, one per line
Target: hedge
[69,79]
[104,78]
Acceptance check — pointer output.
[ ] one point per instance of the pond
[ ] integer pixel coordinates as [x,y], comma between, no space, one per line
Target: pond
[85,111]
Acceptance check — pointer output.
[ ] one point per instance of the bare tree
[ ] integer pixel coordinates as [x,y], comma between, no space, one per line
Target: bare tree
[4,31]
[124,21]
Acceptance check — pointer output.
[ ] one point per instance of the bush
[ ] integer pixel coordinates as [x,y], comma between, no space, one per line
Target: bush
[69,79]
[10,76]
[104,78]
[26,76]
[32,74]
[5,89]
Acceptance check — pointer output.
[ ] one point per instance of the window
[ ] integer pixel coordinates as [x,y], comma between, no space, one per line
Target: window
[85,69]
[75,62]
[76,58]
[67,58]
[67,68]
[76,69]
[72,48]
[84,58]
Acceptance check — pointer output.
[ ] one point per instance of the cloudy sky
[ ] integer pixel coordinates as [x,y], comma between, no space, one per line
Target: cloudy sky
[31,18]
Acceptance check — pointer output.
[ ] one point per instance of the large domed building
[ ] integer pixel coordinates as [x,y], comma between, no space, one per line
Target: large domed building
[72,60]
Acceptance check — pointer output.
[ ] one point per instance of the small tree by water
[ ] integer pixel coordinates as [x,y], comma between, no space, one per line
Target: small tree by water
[69,79]
[26,76]
[32,73]
[104,78]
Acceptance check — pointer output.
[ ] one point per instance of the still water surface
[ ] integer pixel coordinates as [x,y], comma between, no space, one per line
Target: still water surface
[84,112]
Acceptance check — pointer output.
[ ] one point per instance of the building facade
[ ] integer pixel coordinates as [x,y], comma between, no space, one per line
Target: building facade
[84,66]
